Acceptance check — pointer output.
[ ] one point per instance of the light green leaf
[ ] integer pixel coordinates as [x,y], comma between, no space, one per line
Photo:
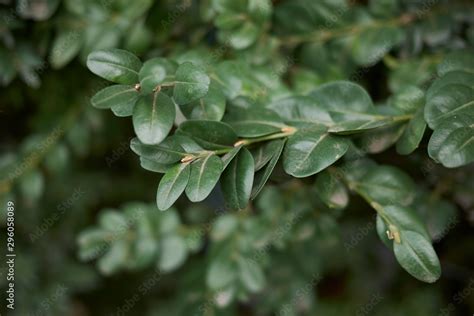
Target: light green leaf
[65,47]
[205,173]
[251,275]
[153,118]
[115,65]
[173,253]
[172,185]
[310,151]
[222,273]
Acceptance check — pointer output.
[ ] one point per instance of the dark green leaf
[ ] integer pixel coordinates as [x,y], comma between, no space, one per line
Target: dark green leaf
[417,256]
[192,83]
[167,152]
[172,185]
[237,180]
[310,151]
[205,173]
[452,142]
[153,118]
[209,134]
[331,190]
[275,149]
[413,134]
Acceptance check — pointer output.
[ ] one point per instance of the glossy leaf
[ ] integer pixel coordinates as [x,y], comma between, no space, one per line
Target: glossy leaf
[413,134]
[311,151]
[237,180]
[452,142]
[262,177]
[205,172]
[154,72]
[153,118]
[169,151]
[115,96]
[115,65]
[417,256]
[387,185]
[172,185]
[209,134]
[192,83]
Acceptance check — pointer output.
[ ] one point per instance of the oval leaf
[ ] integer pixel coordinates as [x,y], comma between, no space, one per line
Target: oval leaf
[172,185]
[115,65]
[205,173]
[153,118]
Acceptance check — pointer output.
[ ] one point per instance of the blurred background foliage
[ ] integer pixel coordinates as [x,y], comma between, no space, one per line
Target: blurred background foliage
[80,193]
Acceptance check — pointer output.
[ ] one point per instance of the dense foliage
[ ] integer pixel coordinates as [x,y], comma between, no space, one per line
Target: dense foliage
[266,131]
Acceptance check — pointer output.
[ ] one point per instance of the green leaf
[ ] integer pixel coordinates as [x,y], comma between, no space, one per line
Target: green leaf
[387,185]
[409,99]
[452,142]
[275,149]
[154,166]
[403,218]
[173,253]
[153,118]
[115,258]
[251,275]
[116,95]
[237,180]
[167,152]
[210,107]
[413,134]
[115,65]
[65,47]
[331,190]
[417,256]
[447,101]
[223,227]
[349,106]
[372,44]
[192,83]
[301,110]
[310,151]
[205,173]
[264,153]
[457,60]
[222,273]
[209,134]
[227,158]
[154,72]
[254,121]
[457,77]
[172,185]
